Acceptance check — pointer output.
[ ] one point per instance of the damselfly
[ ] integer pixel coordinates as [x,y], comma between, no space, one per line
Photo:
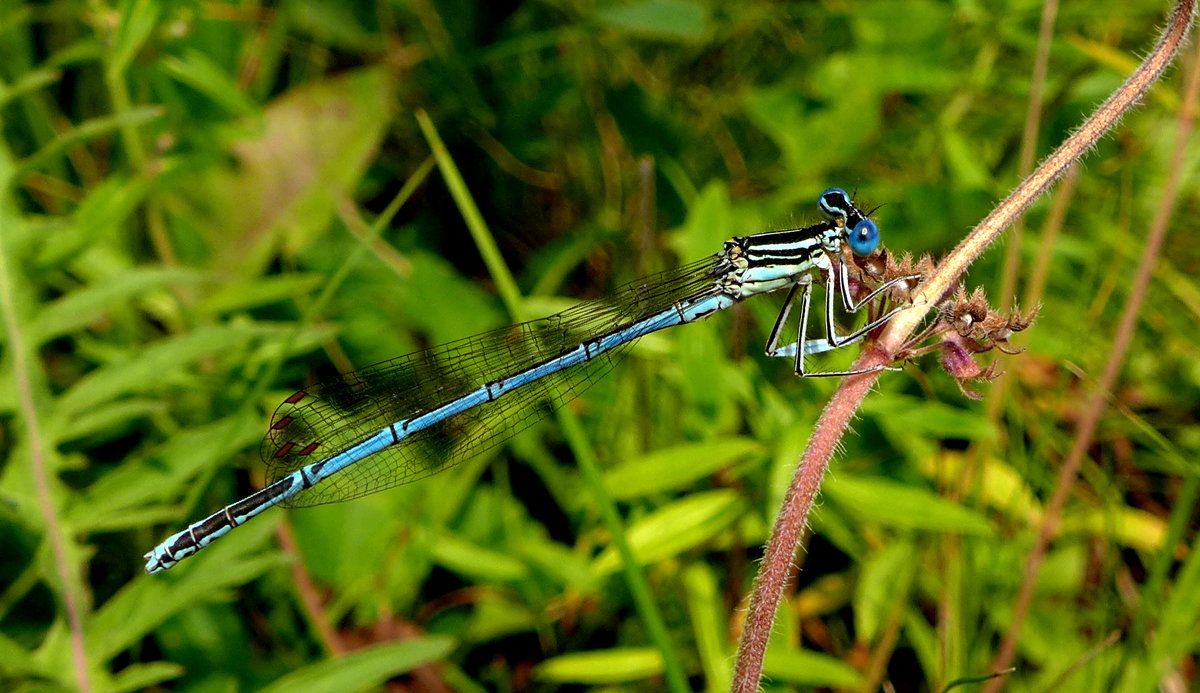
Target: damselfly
[408,418]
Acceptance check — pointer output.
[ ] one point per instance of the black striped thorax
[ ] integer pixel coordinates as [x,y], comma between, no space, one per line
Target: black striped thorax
[776,259]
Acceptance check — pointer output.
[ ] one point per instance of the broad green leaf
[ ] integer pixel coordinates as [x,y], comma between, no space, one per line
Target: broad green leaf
[137,21]
[561,564]
[710,223]
[802,667]
[968,168]
[814,137]
[86,131]
[307,157]
[1127,526]
[911,73]
[920,417]
[664,20]
[676,527]
[15,660]
[364,669]
[435,298]
[143,371]
[1064,569]
[111,420]
[160,474]
[341,558]
[706,610]
[261,291]
[104,213]
[148,600]
[900,505]
[884,582]
[676,468]
[780,113]
[919,25]
[476,562]
[200,72]
[85,306]
[140,677]
[494,617]
[617,665]
[918,427]
[1000,487]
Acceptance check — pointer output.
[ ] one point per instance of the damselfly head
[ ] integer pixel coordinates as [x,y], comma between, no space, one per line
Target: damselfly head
[837,205]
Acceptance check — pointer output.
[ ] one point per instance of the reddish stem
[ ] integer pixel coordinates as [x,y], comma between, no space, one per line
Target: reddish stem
[785,537]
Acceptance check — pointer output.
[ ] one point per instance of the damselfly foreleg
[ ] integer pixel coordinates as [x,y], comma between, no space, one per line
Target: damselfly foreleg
[832,340]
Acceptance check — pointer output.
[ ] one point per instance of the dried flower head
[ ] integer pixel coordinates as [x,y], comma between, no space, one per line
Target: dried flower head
[967,325]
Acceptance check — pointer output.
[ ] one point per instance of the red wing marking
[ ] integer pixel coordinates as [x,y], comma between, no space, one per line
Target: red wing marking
[282,423]
[307,449]
[284,450]
[296,397]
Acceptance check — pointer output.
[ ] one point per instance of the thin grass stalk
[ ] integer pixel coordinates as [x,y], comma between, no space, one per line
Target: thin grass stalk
[635,577]
[1012,259]
[1098,402]
[1033,118]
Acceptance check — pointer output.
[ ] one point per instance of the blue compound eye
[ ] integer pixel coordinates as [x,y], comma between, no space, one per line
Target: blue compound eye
[864,237]
[835,203]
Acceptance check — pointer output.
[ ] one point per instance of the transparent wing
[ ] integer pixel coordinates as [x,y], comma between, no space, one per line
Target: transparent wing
[324,419]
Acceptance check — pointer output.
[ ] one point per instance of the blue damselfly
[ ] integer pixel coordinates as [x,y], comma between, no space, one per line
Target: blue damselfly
[410,417]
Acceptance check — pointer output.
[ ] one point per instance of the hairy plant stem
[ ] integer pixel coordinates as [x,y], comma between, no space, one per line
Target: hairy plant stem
[785,536]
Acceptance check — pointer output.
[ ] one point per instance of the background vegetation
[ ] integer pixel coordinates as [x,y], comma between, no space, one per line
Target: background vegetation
[195,221]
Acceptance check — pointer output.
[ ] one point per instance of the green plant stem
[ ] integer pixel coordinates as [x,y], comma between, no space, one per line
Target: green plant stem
[506,286]
[635,577]
[639,586]
[1155,584]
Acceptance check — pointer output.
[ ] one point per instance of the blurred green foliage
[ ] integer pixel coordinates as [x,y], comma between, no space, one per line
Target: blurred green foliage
[182,181]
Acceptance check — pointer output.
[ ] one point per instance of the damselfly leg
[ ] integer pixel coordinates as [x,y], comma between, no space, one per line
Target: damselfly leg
[832,340]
